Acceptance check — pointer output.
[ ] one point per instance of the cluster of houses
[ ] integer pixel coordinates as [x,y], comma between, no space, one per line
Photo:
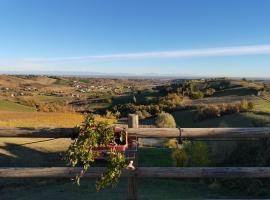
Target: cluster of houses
[12,92]
[83,88]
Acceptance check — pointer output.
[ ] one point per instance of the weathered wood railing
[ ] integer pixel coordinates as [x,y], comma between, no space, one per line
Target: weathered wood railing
[164,172]
[187,133]
[141,172]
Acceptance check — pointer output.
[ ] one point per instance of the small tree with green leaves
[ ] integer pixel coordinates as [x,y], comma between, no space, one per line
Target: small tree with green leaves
[165,120]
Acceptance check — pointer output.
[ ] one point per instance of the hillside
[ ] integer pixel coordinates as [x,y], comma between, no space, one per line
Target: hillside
[40,101]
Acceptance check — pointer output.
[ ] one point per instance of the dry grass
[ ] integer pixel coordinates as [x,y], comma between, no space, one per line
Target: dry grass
[45,145]
[42,119]
[39,119]
[14,81]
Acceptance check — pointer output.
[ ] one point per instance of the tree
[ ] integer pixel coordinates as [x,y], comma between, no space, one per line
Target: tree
[165,120]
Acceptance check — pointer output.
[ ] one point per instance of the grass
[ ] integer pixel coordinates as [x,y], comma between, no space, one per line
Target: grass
[262,105]
[32,151]
[238,91]
[259,117]
[39,152]
[99,105]
[186,119]
[250,84]
[62,82]
[46,152]
[6,105]
[39,119]
[44,98]
[160,189]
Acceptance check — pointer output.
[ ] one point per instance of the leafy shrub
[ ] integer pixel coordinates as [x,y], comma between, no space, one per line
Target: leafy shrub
[110,115]
[180,157]
[171,143]
[209,92]
[250,106]
[244,106]
[54,107]
[145,114]
[212,111]
[253,153]
[205,112]
[81,152]
[140,115]
[165,120]
[191,154]
[172,99]
[197,95]
[44,106]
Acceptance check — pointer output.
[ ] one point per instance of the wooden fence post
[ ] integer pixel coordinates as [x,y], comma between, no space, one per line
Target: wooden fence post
[133,122]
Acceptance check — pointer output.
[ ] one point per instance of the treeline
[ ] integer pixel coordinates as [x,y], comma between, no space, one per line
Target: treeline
[170,97]
[196,89]
[213,111]
[169,103]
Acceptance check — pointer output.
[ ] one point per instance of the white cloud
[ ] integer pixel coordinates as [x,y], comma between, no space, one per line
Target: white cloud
[204,52]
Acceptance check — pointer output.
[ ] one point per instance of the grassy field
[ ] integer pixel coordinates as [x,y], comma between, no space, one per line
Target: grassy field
[40,152]
[238,91]
[39,119]
[252,119]
[47,99]
[186,119]
[262,105]
[160,189]
[98,105]
[11,106]
[259,117]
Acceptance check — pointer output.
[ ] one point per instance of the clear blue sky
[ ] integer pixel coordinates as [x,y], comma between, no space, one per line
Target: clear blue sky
[193,37]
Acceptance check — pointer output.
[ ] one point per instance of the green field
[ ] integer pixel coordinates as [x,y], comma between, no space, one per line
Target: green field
[43,152]
[262,105]
[238,91]
[252,119]
[47,99]
[148,189]
[6,105]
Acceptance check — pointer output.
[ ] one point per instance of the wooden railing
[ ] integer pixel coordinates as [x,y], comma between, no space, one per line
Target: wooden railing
[186,133]
[156,172]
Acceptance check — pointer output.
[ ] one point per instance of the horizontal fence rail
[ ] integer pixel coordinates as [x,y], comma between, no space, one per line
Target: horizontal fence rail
[141,172]
[188,133]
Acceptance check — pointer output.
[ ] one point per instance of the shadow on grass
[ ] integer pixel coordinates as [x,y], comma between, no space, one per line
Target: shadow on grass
[238,91]
[22,156]
[30,189]
[186,119]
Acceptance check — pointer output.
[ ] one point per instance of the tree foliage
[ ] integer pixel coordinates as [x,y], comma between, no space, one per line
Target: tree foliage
[165,120]
[191,154]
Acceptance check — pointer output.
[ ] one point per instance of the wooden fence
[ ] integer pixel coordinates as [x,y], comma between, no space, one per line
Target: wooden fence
[154,172]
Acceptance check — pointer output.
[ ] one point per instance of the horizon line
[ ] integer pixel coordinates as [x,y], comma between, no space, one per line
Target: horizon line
[103,74]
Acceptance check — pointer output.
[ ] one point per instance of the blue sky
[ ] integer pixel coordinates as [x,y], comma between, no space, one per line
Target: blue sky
[192,37]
